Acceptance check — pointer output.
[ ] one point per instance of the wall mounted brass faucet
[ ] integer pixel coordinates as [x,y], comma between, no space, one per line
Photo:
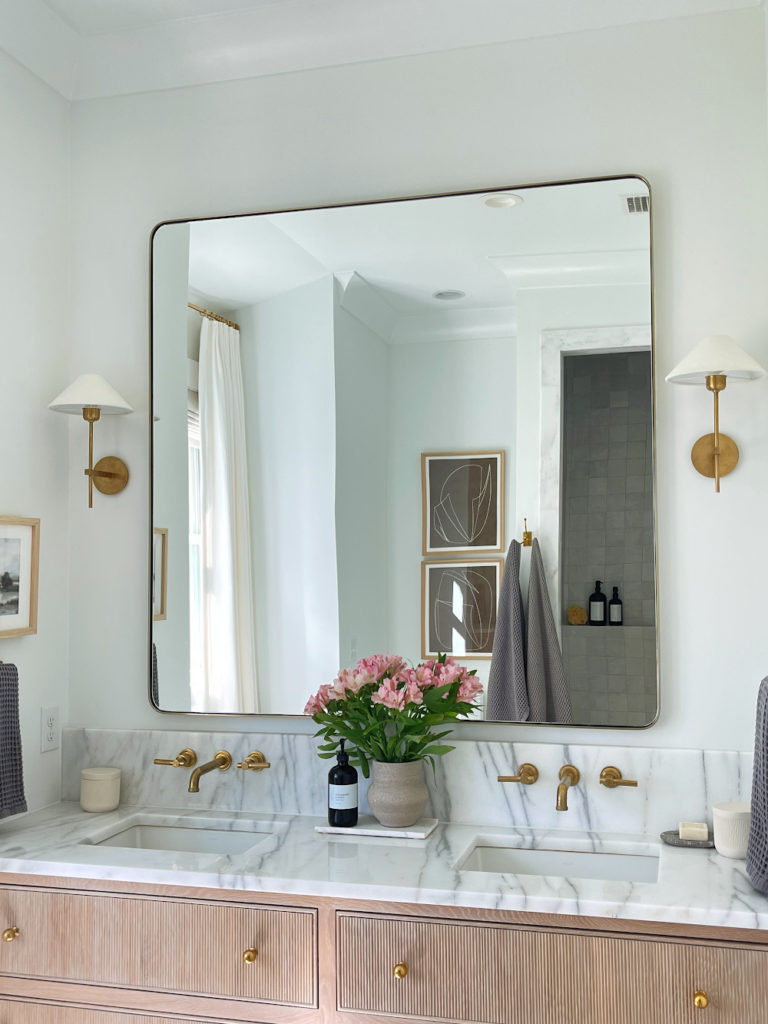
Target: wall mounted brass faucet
[569,776]
[526,773]
[611,777]
[222,760]
[186,758]
[255,762]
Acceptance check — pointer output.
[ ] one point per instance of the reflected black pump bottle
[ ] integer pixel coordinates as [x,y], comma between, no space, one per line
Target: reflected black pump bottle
[342,792]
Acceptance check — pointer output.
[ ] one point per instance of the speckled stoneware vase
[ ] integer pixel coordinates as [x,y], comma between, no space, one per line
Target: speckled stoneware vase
[398,795]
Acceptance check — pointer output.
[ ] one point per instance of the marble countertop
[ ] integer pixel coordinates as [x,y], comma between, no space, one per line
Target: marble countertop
[694,886]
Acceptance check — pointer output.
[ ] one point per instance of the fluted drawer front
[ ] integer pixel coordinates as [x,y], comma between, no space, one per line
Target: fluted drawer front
[159,944]
[43,1013]
[500,974]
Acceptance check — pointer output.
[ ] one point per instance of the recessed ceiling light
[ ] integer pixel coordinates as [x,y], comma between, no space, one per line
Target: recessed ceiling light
[502,200]
[449,294]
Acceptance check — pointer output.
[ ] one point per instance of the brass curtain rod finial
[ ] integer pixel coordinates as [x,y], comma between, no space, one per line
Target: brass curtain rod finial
[213,316]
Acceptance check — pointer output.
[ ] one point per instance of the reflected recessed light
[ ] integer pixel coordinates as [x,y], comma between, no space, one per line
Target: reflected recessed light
[448,294]
[502,200]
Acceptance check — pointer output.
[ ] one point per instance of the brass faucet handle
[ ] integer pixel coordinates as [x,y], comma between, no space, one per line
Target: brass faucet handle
[255,762]
[526,773]
[611,777]
[186,758]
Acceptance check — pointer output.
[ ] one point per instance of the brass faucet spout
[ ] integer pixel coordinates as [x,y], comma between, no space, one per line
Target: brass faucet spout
[222,760]
[569,776]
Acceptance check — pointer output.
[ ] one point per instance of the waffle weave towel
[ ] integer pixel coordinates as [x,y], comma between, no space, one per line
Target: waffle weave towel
[11,771]
[507,692]
[548,694]
[757,847]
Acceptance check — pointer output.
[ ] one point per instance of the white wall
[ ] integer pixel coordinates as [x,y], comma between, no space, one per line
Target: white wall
[446,401]
[171,491]
[682,102]
[365,409]
[287,351]
[34,262]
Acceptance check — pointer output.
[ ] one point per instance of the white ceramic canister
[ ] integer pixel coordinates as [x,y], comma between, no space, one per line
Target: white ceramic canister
[730,823]
[99,789]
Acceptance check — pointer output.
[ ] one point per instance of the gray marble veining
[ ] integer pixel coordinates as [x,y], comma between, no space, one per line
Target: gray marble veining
[694,886]
[673,785]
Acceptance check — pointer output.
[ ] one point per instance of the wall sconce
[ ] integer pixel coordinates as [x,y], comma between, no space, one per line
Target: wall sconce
[713,362]
[90,395]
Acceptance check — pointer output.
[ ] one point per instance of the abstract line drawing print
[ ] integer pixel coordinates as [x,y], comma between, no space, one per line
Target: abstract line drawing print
[462,526]
[462,501]
[460,609]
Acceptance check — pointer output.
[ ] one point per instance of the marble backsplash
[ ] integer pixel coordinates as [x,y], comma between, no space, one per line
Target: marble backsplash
[673,785]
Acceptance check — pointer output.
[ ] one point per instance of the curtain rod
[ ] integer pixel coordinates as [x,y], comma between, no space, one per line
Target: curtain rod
[214,316]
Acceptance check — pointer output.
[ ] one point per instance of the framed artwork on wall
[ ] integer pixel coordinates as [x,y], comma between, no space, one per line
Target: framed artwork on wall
[458,607]
[159,573]
[462,502]
[19,567]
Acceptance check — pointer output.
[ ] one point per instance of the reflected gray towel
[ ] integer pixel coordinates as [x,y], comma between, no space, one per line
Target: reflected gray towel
[757,847]
[154,689]
[548,694]
[11,769]
[507,694]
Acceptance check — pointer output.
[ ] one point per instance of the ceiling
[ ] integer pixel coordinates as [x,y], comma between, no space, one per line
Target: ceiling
[403,252]
[93,48]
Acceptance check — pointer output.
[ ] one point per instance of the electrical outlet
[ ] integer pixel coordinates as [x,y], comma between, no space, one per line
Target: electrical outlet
[50,729]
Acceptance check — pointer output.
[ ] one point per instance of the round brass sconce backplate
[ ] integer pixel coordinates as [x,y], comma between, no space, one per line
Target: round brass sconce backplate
[110,475]
[703,455]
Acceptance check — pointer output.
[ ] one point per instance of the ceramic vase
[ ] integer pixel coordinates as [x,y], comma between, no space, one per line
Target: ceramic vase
[398,794]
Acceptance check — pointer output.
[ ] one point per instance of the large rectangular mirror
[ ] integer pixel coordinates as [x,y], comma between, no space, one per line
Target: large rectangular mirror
[354,410]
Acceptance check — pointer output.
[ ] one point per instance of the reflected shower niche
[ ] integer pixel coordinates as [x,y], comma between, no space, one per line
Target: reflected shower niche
[607,518]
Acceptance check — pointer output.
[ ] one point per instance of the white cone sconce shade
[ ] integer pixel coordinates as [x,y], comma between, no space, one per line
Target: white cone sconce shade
[89,396]
[714,362]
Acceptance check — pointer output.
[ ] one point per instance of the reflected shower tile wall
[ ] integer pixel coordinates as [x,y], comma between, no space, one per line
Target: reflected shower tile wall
[463,789]
[608,535]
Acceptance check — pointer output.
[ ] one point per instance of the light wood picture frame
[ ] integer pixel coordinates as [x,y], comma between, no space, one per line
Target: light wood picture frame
[159,573]
[462,502]
[459,602]
[19,571]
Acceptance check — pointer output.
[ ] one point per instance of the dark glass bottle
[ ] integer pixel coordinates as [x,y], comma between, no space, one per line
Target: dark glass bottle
[615,609]
[342,792]
[597,606]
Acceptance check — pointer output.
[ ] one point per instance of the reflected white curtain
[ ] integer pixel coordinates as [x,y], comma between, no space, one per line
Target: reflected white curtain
[228,638]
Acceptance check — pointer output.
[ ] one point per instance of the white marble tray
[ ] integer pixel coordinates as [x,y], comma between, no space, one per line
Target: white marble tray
[368,826]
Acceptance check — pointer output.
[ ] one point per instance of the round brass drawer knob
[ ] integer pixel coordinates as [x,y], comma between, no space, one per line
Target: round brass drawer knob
[400,970]
[701,1000]
[249,956]
[10,934]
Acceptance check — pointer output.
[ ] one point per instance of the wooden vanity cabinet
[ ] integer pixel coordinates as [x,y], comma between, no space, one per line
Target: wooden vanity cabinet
[117,953]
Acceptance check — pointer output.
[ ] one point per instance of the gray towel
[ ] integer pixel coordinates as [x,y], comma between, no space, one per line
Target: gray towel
[757,847]
[154,688]
[507,699]
[11,770]
[548,694]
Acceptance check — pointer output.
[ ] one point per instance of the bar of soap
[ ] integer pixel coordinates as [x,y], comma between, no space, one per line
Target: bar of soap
[693,830]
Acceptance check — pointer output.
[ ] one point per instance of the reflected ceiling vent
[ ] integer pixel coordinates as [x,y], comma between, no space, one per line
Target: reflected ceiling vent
[636,204]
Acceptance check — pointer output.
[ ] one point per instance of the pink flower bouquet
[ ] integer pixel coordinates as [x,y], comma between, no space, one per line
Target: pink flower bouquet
[387,711]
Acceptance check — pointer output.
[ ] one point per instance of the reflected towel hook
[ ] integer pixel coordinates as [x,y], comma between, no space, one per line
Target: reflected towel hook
[527,535]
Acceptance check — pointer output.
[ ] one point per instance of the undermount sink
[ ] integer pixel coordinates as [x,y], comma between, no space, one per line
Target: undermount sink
[182,839]
[614,862]
[194,835]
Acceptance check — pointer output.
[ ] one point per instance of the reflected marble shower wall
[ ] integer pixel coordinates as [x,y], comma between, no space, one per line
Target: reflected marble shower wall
[608,534]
